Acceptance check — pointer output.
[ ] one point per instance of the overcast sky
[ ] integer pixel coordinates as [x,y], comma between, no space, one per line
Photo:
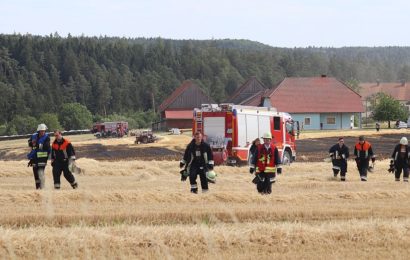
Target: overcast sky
[281,23]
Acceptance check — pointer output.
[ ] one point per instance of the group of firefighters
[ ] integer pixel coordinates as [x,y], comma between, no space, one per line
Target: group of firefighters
[62,155]
[265,161]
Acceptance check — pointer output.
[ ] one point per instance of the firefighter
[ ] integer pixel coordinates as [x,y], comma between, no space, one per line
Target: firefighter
[253,148]
[339,154]
[40,150]
[400,160]
[364,153]
[267,162]
[62,160]
[198,159]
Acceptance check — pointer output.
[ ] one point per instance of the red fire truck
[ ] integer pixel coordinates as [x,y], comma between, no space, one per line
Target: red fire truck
[110,129]
[230,130]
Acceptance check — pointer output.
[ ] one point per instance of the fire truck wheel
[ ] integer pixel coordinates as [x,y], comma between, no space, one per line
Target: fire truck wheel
[286,158]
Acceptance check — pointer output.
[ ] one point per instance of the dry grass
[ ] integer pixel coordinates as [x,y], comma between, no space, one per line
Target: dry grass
[137,209]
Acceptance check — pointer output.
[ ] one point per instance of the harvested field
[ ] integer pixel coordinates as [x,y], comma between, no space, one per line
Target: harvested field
[139,209]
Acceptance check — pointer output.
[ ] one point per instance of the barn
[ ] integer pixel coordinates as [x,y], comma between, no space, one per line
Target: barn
[177,110]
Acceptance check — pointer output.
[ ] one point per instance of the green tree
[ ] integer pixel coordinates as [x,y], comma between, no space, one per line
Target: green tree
[22,125]
[75,116]
[387,109]
[51,121]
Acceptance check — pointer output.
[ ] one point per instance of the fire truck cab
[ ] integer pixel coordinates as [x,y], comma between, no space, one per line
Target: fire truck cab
[230,129]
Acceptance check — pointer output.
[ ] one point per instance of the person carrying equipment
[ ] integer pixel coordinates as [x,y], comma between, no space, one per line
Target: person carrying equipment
[38,156]
[198,160]
[400,160]
[62,160]
[364,153]
[339,154]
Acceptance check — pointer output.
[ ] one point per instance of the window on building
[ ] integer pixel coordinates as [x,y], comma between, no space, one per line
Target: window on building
[331,120]
[307,120]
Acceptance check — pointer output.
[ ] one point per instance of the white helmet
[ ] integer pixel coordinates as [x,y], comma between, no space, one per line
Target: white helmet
[404,141]
[211,176]
[41,127]
[267,135]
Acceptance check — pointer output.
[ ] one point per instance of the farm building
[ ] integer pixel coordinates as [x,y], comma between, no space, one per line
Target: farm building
[177,110]
[251,87]
[398,90]
[315,102]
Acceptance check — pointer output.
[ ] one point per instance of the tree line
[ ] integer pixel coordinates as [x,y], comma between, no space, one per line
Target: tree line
[124,78]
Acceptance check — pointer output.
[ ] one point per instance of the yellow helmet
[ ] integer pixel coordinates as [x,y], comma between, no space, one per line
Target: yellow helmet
[267,135]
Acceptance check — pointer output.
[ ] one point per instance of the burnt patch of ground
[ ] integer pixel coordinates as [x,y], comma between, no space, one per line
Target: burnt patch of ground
[125,152]
[316,149]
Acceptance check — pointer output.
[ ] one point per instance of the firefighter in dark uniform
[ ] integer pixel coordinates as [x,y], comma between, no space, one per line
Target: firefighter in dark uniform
[364,153]
[400,160]
[266,163]
[198,159]
[339,154]
[62,158]
[40,151]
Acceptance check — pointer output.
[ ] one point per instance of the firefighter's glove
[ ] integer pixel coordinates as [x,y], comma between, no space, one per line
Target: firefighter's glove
[391,168]
[184,174]
[251,170]
[373,159]
[52,163]
[181,164]
[30,163]
[279,170]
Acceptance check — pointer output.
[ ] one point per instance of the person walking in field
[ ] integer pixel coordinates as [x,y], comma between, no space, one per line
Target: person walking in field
[339,154]
[40,150]
[265,164]
[400,160]
[62,160]
[197,160]
[363,152]
[254,148]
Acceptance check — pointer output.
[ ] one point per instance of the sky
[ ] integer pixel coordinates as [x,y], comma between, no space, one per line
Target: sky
[278,23]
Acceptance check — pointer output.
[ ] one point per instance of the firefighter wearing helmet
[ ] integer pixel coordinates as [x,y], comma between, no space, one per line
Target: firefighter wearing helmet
[339,154]
[400,160]
[198,160]
[265,164]
[364,153]
[40,151]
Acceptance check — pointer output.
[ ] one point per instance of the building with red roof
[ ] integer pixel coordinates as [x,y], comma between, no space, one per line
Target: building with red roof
[315,102]
[398,90]
[177,110]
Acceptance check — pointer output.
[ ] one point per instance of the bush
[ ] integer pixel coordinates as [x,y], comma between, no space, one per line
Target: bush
[22,125]
[51,121]
[74,116]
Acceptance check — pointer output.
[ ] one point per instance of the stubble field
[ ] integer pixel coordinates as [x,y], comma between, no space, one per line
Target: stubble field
[139,209]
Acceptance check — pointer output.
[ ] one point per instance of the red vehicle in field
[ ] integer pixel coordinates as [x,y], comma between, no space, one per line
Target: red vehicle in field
[230,130]
[110,129]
